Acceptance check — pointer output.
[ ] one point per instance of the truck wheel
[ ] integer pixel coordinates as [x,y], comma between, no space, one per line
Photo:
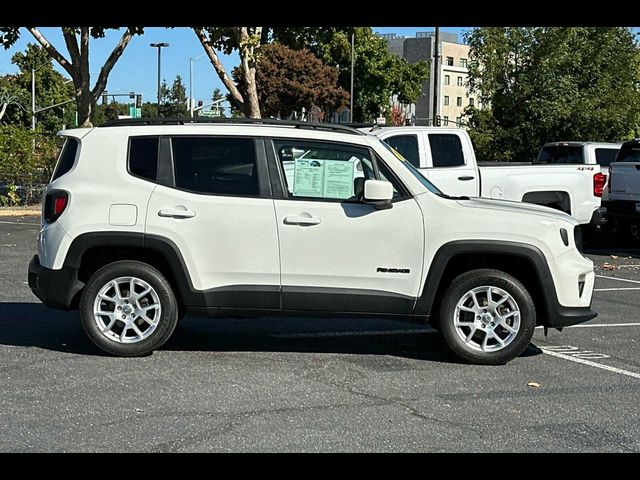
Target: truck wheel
[128,309]
[487,317]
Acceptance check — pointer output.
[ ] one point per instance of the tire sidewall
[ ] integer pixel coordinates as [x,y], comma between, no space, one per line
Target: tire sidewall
[477,278]
[153,277]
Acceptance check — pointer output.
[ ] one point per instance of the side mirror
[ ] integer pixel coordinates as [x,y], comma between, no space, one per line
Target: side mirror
[378,193]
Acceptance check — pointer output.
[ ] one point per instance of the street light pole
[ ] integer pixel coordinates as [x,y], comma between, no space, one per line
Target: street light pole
[33,99]
[352,62]
[159,47]
[436,74]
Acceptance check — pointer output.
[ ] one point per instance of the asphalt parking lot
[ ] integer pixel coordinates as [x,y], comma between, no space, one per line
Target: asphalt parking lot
[309,384]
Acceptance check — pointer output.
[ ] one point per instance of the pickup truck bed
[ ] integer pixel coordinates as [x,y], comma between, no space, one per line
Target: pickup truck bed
[446,157]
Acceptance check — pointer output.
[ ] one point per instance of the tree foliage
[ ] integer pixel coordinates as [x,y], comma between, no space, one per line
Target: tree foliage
[378,74]
[51,88]
[548,84]
[22,167]
[289,80]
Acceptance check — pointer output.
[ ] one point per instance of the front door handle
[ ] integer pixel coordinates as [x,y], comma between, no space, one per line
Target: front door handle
[300,220]
[177,212]
[466,178]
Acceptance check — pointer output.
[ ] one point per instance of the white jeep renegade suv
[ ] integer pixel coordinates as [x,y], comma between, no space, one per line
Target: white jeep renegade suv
[146,220]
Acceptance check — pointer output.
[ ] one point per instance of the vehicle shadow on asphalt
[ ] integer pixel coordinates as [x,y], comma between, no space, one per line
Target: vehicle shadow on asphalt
[34,325]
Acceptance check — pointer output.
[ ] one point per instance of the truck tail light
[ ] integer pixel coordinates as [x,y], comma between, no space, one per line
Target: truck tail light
[599,181]
[55,204]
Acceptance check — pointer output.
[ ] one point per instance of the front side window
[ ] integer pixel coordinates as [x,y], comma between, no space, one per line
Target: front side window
[222,166]
[446,150]
[143,157]
[407,145]
[326,171]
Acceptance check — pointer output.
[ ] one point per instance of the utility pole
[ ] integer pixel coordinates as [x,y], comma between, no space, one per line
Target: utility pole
[33,99]
[159,47]
[352,64]
[436,74]
[191,99]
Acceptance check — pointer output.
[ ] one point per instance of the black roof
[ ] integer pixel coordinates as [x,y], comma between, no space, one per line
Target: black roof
[129,122]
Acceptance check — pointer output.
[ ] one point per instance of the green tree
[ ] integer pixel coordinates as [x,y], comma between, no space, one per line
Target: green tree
[77,41]
[217,95]
[378,74]
[289,80]
[51,88]
[175,98]
[548,84]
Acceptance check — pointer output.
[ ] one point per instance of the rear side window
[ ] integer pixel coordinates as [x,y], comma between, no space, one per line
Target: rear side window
[223,166]
[407,145]
[604,156]
[143,157]
[67,158]
[561,154]
[446,150]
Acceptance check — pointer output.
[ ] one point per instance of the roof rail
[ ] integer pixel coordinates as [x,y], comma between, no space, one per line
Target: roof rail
[129,122]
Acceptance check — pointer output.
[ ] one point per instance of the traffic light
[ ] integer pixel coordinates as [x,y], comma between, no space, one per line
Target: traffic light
[139,100]
[199,103]
[438,122]
[104,98]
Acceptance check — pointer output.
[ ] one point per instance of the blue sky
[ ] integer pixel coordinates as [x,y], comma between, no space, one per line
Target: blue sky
[137,68]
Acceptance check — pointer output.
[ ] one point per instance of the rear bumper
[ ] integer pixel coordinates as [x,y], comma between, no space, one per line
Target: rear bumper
[565,316]
[55,288]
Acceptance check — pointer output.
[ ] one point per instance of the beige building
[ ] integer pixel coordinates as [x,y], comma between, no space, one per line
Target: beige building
[453,91]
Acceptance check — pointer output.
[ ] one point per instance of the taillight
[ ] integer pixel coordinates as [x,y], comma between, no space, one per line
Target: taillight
[599,181]
[55,204]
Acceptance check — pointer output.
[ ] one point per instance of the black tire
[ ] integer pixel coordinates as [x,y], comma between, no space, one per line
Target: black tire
[492,278]
[167,320]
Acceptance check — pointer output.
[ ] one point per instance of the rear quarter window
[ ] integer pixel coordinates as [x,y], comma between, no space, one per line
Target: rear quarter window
[604,156]
[67,158]
[561,154]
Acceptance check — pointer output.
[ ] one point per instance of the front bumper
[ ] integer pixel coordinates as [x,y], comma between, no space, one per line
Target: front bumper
[560,316]
[55,288]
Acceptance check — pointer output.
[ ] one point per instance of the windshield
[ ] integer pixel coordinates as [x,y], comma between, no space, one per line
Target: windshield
[416,173]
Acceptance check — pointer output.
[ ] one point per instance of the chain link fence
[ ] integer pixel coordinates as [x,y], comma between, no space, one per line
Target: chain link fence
[27,160]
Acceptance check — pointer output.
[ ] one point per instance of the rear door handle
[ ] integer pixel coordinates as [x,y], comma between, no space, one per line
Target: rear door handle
[466,178]
[297,220]
[176,213]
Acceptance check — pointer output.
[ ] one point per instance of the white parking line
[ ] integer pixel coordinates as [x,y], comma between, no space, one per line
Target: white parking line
[591,364]
[591,325]
[19,223]
[620,279]
[614,289]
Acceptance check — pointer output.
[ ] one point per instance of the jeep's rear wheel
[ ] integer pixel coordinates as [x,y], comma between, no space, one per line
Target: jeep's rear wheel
[487,317]
[128,309]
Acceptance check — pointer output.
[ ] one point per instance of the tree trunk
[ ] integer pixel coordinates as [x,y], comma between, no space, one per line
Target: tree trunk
[84,104]
[3,109]
[248,63]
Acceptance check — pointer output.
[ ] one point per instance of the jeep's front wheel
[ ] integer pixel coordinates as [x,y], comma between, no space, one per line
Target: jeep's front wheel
[487,317]
[128,309]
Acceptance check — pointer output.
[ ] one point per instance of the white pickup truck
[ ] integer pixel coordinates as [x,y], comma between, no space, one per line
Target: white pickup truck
[623,205]
[446,157]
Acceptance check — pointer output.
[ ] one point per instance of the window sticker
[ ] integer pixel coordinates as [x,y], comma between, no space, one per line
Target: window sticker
[323,178]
